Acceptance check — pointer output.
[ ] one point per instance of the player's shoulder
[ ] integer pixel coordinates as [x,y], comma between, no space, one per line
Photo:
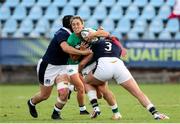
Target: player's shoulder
[61,31]
[73,38]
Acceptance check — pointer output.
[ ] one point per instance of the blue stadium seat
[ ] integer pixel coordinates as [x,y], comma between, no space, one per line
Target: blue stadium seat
[4,12]
[26,26]
[34,34]
[124,25]
[91,22]
[164,12]
[59,4]
[100,12]
[68,10]
[28,3]
[10,26]
[156,3]
[10,3]
[148,12]
[43,3]
[123,3]
[170,2]
[4,34]
[18,34]
[140,26]
[140,3]
[108,3]
[91,3]
[149,35]
[177,36]
[55,27]
[117,34]
[132,35]
[35,13]
[108,25]
[19,13]
[76,3]
[84,12]
[164,35]
[0,26]
[51,13]
[42,26]
[132,12]
[173,26]
[156,26]
[116,12]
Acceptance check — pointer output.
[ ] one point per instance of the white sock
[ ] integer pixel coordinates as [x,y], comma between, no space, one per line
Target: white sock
[114,106]
[82,108]
[92,95]
[149,106]
[57,109]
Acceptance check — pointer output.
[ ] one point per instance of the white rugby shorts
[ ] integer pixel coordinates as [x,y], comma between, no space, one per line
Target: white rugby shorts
[111,68]
[88,69]
[48,72]
[72,69]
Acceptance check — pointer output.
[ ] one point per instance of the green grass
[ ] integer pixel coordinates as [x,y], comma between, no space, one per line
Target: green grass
[166,97]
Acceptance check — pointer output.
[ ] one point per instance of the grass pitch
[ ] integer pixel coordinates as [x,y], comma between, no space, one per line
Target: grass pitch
[166,97]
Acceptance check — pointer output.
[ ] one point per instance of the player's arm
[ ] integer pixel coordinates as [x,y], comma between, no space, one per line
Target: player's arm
[119,44]
[84,62]
[99,33]
[71,50]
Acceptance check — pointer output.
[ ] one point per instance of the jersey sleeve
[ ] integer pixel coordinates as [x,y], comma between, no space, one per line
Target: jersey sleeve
[62,36]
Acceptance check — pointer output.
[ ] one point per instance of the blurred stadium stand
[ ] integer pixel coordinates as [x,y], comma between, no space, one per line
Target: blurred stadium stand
[31,22]
[143,19]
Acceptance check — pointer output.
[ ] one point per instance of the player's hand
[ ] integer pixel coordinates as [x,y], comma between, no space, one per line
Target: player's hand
[84,46]
[124,52]
[86,52]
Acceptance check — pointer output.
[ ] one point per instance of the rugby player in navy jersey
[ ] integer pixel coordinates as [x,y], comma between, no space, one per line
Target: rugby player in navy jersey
[52,69]
[107,52]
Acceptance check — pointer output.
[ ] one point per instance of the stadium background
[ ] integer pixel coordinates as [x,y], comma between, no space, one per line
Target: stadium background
[153,42]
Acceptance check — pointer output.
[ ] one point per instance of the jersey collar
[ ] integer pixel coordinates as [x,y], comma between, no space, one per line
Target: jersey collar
[67,30]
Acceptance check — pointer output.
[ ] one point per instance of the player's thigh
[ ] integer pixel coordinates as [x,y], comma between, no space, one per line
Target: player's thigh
[47,73]
[62,77]
[103,71]
[121,73]
[132,86]
[103,87]
[90,79]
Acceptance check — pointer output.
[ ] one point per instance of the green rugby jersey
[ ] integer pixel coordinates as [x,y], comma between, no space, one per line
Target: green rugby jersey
[75,42]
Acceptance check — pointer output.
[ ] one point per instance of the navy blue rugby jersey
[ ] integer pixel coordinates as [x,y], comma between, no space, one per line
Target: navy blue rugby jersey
[105,48]
[54,54]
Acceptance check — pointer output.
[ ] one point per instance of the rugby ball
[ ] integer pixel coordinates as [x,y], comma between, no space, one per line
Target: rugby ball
[85,33]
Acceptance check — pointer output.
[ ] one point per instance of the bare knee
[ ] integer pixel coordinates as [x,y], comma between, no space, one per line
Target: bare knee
[63,94]
[80,89]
